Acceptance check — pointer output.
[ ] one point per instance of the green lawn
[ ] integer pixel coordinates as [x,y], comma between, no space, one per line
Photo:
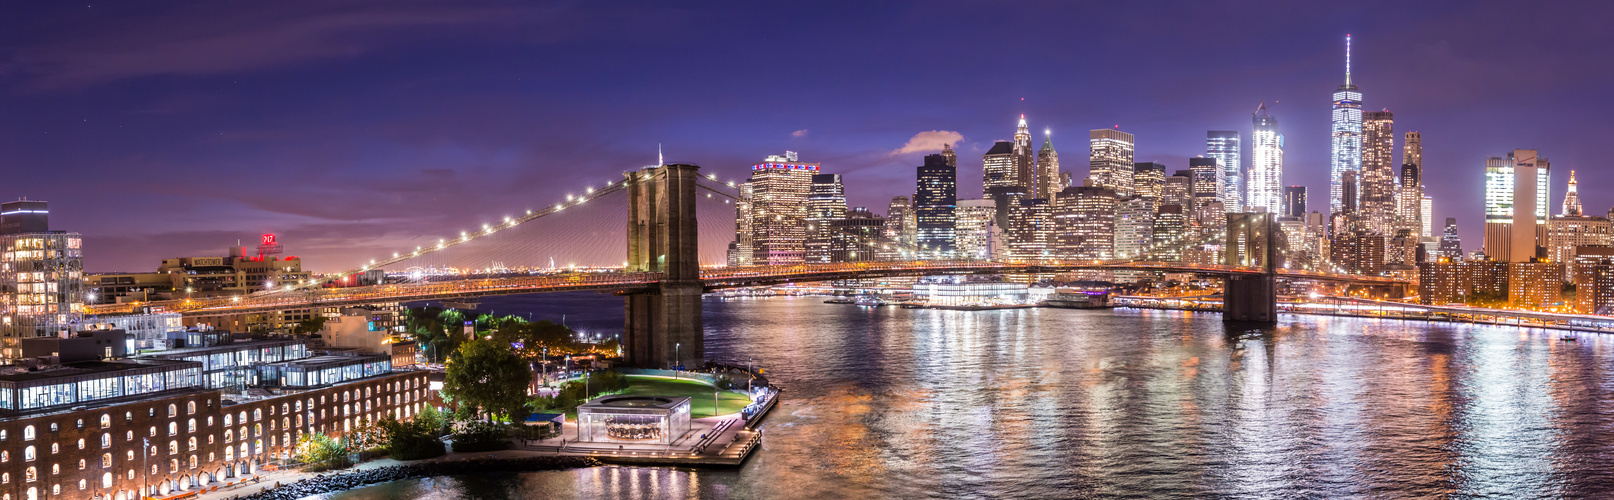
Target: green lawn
[699,393]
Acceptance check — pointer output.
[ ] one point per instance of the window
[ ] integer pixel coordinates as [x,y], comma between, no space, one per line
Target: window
[28,454]
[129,455]
[128,416]
[173,410]
[173,465]
[5,456]
[173,447]
[191,426]
[227,421]
[190,408]
[54,427]
[28,433]
[81,483]
[106,460]
[209,421]
[257,414]
[106,480]
[153,431]
[128,435]
[106,421]
[227,436]
[55,469]
[193,461]
[192,443]
[80,423]
[2,435]
[31,475]
[55,448]
[81,464]
[173,428]
[5,478]
[81,444]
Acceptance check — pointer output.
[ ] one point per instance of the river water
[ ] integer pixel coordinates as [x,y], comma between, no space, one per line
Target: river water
[1051,403]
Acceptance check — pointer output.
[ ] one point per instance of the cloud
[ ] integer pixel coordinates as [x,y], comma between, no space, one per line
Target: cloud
[799,133]
[929,141]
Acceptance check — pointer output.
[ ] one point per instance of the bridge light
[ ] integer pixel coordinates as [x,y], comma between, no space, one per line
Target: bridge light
[731,183]
[590,190]
[559,206]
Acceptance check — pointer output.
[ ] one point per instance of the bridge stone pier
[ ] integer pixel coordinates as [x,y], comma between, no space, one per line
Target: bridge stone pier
[1253,240]
[663,325]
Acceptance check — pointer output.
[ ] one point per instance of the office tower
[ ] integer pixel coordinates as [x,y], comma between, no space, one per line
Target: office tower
[1048,179]
[826,201]
[1180,190]
[998,168]
[1566,232]
[1110,160]
[973,229]
[935,205]
[1208,179]
[1346,145]
[1031,230]
[743,248]
[1169,234]
[1084,223]
[1571,197]
[1592,273]
[1377,203]
[1409,196]
[42,281]
[1149,181]
[1264,187]
[779,189]
[1064,180]
[1426,212]
[1224,146]
[1294,201]
[1024,157]
[901,227]
[1134,228]
[952,157]
[858,237]
[1451,247]
[1514,184]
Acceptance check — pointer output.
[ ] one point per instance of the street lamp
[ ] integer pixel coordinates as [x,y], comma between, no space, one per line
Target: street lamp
[676,346]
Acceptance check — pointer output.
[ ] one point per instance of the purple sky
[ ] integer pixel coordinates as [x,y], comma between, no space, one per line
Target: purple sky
[353,129]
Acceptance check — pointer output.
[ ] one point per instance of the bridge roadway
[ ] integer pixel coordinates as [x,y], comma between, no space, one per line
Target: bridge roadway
[623,283]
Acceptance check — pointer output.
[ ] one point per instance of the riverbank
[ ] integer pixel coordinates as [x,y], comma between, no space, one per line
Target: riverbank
[357,477]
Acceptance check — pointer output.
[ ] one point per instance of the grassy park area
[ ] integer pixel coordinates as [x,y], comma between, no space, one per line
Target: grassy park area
[699,393]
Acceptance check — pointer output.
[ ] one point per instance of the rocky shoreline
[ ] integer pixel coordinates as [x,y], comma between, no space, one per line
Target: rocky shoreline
[346,480]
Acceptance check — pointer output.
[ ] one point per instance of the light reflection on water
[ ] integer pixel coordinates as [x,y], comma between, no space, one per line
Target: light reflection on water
[901,403]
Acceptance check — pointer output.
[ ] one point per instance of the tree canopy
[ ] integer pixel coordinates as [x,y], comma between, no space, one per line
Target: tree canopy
[486,377]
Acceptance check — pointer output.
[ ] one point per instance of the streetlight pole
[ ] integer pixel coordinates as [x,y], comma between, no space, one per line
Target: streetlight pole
[676,346]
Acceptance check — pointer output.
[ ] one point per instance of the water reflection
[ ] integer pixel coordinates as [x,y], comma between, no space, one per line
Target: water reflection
[898,403]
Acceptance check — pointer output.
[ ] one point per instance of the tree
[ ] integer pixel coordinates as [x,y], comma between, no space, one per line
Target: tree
[486,377]
[322,452]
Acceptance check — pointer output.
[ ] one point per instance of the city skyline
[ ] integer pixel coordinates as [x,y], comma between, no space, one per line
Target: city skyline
[387,149]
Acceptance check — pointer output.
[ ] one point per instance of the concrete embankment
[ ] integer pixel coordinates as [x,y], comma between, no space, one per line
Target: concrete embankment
[346,480]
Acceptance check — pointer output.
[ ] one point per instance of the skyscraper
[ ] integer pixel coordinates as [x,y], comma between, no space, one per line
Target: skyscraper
[935,204]
[901,227]
[1427,213]
[1208,179]
[1031,230]
[1180,191]
[1224,146]
[1084,223]
[779,190]
[1294,201]
[1047,177]
[744,248]
[998,168]
[1110,160]
[1265,186]
[826,202]
[1346,145]
[1378,176]
[1167,238]
[1149,181]
[1513,186]
[1134,228]
[973,225]
[1409,198]
[1572,197]
[1024,157]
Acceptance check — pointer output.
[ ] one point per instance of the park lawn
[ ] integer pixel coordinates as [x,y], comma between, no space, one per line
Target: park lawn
[699,393]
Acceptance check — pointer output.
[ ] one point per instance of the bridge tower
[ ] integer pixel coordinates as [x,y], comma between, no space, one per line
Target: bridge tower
[663,325]
[1253,240]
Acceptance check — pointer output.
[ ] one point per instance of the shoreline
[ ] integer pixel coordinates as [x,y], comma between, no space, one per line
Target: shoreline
[336,481]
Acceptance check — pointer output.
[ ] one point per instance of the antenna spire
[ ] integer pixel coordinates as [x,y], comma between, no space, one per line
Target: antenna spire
[661,161]
[1347,58]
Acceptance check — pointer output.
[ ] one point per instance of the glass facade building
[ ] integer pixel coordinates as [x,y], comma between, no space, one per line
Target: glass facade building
[1110,162]
[935,206]
[1346,141]
[1265,186]
[1225,147]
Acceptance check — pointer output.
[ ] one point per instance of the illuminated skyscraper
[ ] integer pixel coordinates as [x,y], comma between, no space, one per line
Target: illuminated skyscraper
[42,282]
[1180,191]
[1047,178]
[1031,230]
[1134,228]
[1110,160]
[1024,157]
[826,202]
[973,228]
[1169,234]
[1572,197]
[1224,146]
[1427,211]
[1378,175]
[998,169]
[1149,181]
[1347,133]
[935,204]
[1409,197]
[779,189]
[1265,186]
[901,227]
[1208,179]
[1514,184]
[1451,247]
[1084,223]
[744,249]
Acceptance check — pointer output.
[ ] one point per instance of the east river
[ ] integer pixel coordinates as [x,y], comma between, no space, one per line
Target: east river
[1051,403]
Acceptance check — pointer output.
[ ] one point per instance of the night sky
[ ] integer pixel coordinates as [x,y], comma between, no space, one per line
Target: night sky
[162,129]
